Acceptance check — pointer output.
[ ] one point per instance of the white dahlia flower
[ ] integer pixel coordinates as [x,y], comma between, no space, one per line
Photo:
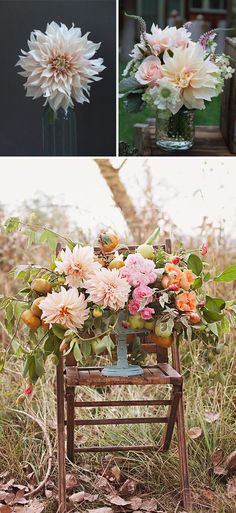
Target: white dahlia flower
[193,73]
[59,65]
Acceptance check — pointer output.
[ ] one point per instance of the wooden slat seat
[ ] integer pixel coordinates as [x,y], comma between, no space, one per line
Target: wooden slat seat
[160,374]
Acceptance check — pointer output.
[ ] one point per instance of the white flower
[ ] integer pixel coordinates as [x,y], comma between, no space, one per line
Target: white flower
[149,71]
[66,307]
[58,66]
[78,265]
[166,96]
[193,74]
[160,40]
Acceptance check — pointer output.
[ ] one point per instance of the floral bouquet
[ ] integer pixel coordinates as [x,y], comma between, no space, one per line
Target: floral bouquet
[174,75]
[60,68]
[88,294]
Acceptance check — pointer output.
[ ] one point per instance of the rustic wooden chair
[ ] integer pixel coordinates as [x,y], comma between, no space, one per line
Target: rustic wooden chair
[70,376]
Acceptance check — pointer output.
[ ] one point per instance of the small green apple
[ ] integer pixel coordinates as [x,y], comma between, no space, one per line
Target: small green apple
[136,322]
[146,251]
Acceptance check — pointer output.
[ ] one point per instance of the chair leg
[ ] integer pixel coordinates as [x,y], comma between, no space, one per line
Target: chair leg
[61,439]
[172,414]
[183,458]
[70,428]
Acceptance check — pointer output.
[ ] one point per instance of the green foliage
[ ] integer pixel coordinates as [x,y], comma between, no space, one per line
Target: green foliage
[227,275]
[195,264]
[12,224]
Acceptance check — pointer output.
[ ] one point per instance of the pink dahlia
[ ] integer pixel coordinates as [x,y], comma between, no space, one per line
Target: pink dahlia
[107,288]
[138,270]
[66,307]
[78,265]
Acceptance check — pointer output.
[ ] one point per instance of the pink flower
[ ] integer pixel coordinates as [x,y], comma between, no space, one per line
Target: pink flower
[138,270]
[149,71]
[204,249]
[78,265]
[143,292]
[173,288]
[133,307]
[108,288]
[66,307]
[28,390]
[147,313]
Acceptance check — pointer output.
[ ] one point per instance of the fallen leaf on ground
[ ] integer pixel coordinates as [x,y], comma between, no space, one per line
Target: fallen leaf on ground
[102,483]
[5,509]
[211,417]
[230,463]
[218,470]
[231,488]
[71,481]
[6,496]
[194,432]
[149,505]
[100,510]
[128,488]
[77,497]
[117,500]
[116,472]
[135,503]
[35,507]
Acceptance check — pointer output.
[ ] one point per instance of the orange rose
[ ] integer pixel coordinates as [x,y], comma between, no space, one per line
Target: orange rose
[173,275]
[187,279]
[186,302]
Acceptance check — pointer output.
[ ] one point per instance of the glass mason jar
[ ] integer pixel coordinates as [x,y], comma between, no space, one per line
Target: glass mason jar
[59,132]
[175,132]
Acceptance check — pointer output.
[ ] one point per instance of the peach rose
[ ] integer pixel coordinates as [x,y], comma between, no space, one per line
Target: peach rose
[186,302]
[187,279]
[173,275]
[149,71]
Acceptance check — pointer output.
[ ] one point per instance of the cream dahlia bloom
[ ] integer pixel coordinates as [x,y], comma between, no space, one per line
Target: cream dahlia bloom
[108,289]
[66,307]
[193,74]
[59,65]
[77,265]
[160,40]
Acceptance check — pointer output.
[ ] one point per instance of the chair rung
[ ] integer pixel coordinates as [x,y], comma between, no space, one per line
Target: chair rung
[119,448]
[103,422]
[94,404]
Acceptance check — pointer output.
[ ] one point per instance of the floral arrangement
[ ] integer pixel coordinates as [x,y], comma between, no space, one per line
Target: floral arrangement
[59,66]
[74,305]
[168,71]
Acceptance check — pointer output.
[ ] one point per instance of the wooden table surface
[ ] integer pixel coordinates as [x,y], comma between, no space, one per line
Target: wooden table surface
[208,142]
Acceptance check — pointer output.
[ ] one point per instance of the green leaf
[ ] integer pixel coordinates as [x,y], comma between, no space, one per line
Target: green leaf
[9,312]
[19,308]
[58,331]
[211,316]
[152,238]
[134,103]
[207,277]
[229,274]
[12,224]
[39,364]
[108,343]
[225,326]
[77,353]
[49,344]
[197,283]
[51,238]
[128,84]
[85,348]
[195,264]
[216,304]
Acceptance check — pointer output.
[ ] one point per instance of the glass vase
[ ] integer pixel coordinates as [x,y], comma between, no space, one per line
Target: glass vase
[59,132]
[175,132]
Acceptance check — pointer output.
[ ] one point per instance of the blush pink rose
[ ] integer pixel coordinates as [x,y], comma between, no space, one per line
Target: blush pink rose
[133,307]
[149,72]
[142,292]
[147,313]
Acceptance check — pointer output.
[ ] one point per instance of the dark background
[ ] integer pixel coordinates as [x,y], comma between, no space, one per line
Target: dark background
[21,117]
